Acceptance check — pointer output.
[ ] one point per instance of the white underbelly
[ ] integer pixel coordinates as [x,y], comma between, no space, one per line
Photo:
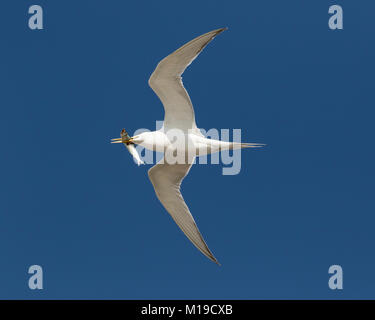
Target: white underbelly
[180,142]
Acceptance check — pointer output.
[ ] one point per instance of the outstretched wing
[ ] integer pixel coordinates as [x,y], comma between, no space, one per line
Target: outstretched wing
[166,179]
[167,83]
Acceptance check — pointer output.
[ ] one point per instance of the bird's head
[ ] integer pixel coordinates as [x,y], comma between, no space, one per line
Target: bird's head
[127,139]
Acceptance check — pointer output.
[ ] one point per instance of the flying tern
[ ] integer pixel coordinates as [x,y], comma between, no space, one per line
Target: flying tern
[178,135]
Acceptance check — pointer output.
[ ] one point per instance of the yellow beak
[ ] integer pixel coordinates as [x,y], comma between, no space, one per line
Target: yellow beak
[120,140]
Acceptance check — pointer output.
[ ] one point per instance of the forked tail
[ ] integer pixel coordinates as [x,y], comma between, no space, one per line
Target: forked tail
[238,145]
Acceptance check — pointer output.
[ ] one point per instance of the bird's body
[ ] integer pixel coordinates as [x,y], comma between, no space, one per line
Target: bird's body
[179,139]
[175,142]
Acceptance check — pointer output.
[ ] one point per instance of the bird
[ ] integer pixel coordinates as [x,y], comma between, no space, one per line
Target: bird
[179,136]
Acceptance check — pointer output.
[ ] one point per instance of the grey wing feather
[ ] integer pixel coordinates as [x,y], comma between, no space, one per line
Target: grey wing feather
[167,83]
[166,180]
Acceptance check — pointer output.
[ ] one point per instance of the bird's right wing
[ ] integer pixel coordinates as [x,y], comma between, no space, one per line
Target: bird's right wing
[166,179]
[166,81]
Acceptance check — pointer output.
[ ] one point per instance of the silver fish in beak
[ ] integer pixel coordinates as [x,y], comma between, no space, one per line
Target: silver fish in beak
[127,141]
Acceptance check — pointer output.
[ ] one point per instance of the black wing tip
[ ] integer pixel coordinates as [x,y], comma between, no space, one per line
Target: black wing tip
[217,31]
[213,259]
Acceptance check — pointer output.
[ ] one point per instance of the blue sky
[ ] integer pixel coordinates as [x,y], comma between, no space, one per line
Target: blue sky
[79,207]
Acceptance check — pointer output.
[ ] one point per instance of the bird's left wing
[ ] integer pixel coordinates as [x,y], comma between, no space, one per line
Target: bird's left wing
[166,179]
[167,83]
